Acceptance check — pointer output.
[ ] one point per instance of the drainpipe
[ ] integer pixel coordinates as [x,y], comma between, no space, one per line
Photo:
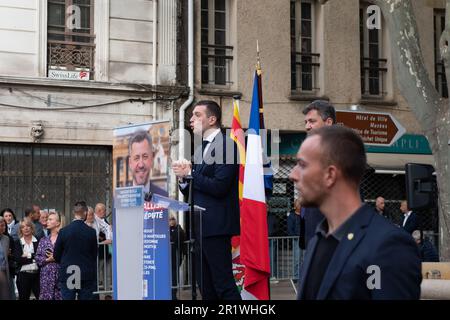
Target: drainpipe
[190,99]
[155,53]
[188,102]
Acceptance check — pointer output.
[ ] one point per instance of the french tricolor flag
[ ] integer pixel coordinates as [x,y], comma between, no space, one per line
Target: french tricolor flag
[254,237]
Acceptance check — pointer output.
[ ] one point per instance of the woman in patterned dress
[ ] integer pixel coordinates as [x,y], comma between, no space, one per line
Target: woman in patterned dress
[49,268]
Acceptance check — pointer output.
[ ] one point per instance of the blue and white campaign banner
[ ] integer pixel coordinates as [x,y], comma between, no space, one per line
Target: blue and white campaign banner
[141,246]
[128,233]
[156,254]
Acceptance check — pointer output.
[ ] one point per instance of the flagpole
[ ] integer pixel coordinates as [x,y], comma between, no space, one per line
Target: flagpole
[258,59]
[259,72]
[254,237]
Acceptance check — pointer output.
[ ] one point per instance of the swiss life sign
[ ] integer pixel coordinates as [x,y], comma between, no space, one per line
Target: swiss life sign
[375,128]
[68,75]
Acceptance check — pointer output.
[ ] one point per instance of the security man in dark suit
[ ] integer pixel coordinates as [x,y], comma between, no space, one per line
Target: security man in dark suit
[355,253]
[215,187]
[409,221]
[76,252]
[380,207]
[318,114]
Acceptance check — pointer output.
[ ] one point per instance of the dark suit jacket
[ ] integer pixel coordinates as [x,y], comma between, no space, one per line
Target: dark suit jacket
[411,223]
[375,242]
[153,189]
[428,252]
[216,188]
[77,245]
[39,230]
[312,218]
[18,252]
[385,213]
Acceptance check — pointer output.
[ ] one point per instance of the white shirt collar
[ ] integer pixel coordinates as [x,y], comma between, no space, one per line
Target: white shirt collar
[22,240]
[212,135]
[146,186]
[98,219]
[408,213]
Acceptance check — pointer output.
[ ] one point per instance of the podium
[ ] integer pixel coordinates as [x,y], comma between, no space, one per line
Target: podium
[141,246]
[195,227]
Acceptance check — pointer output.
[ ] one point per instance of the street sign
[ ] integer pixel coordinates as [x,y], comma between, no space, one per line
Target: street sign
[375,128]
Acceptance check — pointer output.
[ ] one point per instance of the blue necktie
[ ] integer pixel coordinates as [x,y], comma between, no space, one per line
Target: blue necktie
[204,144]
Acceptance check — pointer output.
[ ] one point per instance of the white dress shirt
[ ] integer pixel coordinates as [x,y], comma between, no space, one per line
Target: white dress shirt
[28,250]
[210,139]
[406,217]
[100,225]
[10,226]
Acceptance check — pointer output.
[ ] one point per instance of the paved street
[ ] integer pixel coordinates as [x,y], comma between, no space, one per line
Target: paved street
[281,290]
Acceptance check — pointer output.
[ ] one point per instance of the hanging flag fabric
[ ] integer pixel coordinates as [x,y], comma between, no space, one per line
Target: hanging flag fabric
[237,135]
[267,165]
[254,239]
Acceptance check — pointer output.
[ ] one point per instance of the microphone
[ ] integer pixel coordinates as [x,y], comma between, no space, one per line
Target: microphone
[148,196]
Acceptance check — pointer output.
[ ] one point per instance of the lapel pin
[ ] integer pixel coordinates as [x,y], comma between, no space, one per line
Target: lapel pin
[350,236]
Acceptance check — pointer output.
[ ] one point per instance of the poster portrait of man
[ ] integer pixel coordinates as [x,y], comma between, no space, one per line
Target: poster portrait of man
[140,157]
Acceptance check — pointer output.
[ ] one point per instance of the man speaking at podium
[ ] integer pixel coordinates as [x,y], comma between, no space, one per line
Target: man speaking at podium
[216,189]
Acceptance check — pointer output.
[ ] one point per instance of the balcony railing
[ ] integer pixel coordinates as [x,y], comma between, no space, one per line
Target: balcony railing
[304,71]
[71,56]
[373,72]
[216,64]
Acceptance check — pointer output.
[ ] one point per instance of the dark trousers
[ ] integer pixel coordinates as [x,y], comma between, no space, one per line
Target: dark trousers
[175,277]
[214,269]
[27,282]
[85,292]
[4,285]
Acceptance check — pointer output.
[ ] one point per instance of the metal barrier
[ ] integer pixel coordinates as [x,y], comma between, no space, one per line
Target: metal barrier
[285,257]
[104,272]
[284,252]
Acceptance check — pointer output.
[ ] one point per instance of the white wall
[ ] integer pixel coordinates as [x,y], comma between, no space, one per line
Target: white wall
[19,27]
[131,41]
[124,53]
[126,57]
[75,126]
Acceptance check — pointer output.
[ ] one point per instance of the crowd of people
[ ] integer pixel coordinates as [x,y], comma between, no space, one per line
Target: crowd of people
[38,252]
[343,237]
[38,263]
[335,227]
[409,223]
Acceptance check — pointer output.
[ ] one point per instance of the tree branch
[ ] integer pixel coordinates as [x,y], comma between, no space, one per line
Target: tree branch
[445,40]
[412,76]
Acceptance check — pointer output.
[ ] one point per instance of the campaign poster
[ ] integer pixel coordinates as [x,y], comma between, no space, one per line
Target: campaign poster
[141,264]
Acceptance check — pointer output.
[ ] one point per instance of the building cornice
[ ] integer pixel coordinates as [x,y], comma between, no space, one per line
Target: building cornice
[378,102]
[218,93]
[80,85]
[306,97]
